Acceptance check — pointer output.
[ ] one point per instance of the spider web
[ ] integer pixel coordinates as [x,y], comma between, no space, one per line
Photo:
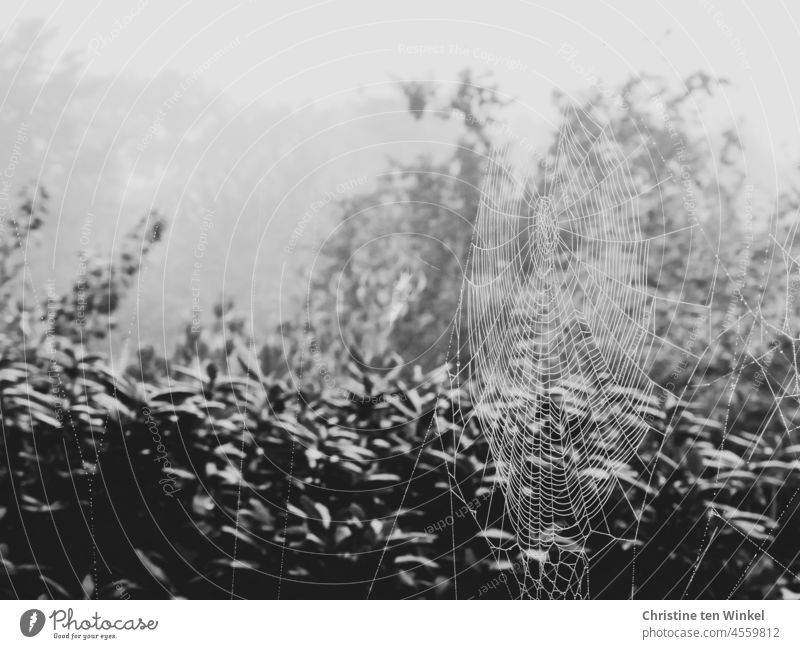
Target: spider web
[558,324]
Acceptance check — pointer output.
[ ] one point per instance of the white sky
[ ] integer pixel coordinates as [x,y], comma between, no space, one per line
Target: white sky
[291,51]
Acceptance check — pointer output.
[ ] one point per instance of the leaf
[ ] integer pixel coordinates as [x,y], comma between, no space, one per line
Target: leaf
[152,568]
[496,534]
[357,511]
[341,534]
[292,509]
[789,594]
[88,586]
[415,399]
[325,515]
[412,560]
[239,534]
[391,478]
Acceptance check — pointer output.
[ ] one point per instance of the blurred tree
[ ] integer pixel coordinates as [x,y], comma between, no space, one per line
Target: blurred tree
[390,276]
[35,316]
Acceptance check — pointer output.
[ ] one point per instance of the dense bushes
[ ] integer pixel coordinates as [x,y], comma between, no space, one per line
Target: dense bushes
[156,476]
[163,503]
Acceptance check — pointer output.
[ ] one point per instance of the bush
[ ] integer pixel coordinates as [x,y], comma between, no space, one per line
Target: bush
[112,489]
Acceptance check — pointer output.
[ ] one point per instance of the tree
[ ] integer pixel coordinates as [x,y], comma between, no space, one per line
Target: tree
[390,276]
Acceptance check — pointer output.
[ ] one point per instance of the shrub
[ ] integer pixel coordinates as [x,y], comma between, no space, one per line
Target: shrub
[115,489]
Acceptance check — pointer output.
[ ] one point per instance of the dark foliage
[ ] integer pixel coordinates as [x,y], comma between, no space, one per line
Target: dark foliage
[112,489]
